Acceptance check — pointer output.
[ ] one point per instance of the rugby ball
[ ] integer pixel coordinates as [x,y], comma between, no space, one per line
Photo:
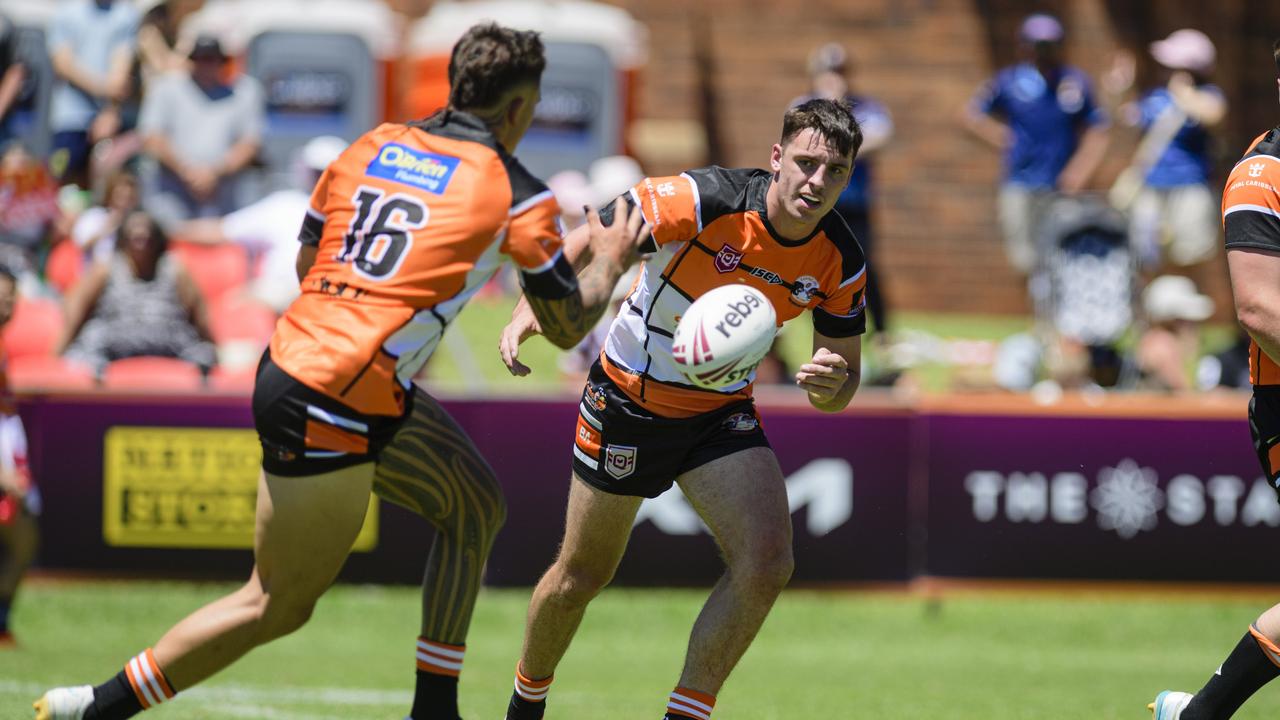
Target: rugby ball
[724,335]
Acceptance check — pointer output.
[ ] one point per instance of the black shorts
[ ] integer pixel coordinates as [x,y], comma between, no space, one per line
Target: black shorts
[1264,425]
[621,448]
[305,432]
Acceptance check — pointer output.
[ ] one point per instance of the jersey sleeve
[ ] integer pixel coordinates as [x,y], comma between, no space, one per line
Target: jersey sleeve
[533,242]
[1251,204]
[843,313]
[671,206]
[313,222]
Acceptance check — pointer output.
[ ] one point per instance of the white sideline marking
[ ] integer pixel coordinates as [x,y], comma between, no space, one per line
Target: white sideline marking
[249,701]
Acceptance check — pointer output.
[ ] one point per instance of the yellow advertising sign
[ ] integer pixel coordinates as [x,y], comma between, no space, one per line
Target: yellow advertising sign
[188,488]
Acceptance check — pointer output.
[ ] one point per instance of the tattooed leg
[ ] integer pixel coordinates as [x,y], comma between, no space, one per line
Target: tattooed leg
[432,468]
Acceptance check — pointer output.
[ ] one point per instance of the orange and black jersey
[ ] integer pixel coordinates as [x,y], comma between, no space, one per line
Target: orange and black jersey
[710,228]
[1251,218]
[409,222]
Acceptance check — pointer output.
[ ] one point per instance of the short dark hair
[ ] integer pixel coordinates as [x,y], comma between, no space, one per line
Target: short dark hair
[832,119]
[490,60]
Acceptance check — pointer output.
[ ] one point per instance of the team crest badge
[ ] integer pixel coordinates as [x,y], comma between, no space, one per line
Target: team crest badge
[595,397]
[620,460]
[804,289]
[727,259]
[741,423]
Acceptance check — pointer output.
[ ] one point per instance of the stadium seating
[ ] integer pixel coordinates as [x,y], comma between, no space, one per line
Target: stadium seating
[215,268]
[152,373]
[44,372]
[234,317]
[34,329]
[65,266]
[239,380]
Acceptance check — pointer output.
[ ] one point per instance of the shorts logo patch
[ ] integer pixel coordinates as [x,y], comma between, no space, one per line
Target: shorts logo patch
[418,168]
[620,460]
[595,397]
[804,289]
[727,259]
[740,423]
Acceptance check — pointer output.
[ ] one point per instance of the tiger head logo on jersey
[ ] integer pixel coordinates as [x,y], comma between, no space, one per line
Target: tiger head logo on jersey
[727,259]
[803,291]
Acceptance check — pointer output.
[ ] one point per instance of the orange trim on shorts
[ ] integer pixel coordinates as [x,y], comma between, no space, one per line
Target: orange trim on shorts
[322,436]
[1273,460]
[667,400]
[587,439]
[1268,648]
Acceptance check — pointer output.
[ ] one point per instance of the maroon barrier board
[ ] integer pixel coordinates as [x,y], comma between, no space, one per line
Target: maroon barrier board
[103,463]
[1097,497]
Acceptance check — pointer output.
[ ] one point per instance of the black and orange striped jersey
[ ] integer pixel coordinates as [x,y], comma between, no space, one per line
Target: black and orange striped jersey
[409,222]
[710,228]
[1251,219]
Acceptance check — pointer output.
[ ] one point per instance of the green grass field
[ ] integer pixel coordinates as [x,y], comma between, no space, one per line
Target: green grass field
[876,655]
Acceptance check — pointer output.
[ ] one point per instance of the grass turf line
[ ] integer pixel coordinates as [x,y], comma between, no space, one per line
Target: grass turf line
[821,654]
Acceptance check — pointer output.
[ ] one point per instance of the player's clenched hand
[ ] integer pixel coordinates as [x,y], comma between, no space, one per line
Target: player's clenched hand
[621,240]
[523,325]
[824,375]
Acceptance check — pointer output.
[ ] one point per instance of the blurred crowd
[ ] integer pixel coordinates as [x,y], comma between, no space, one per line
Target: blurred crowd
[146,244]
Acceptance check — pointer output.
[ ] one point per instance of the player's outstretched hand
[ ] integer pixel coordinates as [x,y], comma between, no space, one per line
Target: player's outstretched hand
[823,376]
[620,241]
[523,325]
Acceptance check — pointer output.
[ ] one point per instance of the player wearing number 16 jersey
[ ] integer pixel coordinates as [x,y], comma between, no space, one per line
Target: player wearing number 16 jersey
[403,228]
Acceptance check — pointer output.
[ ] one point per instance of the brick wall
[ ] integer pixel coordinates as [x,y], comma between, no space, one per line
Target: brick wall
[938,244]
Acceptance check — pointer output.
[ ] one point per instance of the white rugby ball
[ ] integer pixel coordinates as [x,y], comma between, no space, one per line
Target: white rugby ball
[724,335]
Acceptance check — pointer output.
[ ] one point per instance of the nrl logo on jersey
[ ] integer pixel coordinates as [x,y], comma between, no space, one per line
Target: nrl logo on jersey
[620,460]
[727,259]
[806,286]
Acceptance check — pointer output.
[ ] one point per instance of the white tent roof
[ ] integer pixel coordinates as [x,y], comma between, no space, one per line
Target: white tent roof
[236,22]
[610,27]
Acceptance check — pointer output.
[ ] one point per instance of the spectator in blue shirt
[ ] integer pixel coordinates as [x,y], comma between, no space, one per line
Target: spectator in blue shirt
[90,44]
[1052,134]
[1176,210]
[830,77]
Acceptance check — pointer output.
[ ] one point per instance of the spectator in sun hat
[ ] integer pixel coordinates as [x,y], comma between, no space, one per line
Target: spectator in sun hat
[1175,215]
[202,132]
[1041,114]
[1169,348]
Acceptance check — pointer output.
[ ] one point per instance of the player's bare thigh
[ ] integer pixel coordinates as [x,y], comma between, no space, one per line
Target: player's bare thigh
[597,528]
[742,498]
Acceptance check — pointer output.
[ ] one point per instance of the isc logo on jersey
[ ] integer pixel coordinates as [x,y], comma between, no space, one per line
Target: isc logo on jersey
[724,335]
[403,164]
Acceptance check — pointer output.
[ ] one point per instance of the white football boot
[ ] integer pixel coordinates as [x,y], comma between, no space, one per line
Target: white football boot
[1169,705]
[64,703]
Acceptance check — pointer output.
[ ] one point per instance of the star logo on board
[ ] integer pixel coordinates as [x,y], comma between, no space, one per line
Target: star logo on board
[1127,499]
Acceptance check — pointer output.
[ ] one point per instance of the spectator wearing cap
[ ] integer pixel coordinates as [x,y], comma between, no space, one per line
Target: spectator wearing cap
[1176,211]
[202,133]
[1169,348]
[1042,115]
[91,45]
[831,76]
[268,228]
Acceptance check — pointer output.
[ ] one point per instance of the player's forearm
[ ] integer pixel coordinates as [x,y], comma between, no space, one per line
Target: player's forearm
[238,157]
[577,248]
[65,67]
[986,128]
[566,321]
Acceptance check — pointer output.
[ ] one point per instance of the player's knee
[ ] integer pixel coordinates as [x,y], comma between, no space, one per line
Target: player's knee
[577,583]
[282,614]
[766,570]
